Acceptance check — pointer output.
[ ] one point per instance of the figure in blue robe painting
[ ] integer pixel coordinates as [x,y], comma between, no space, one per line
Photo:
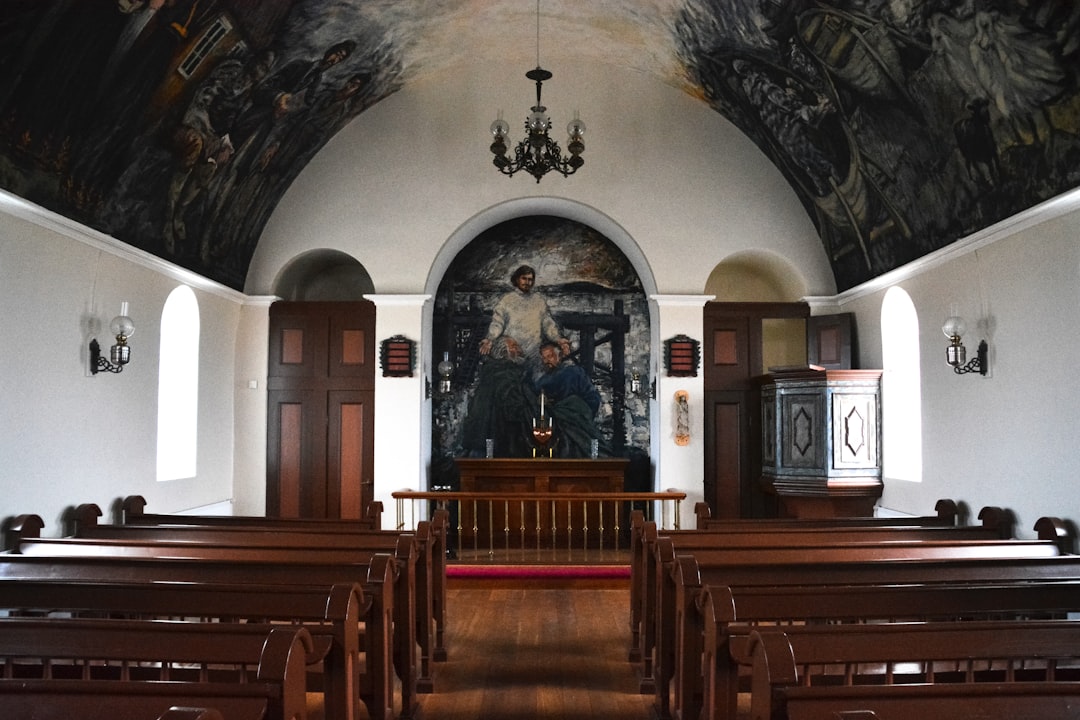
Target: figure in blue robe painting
[571,401]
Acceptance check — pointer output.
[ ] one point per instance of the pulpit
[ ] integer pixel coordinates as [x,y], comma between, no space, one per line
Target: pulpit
[544,521]
[821,441]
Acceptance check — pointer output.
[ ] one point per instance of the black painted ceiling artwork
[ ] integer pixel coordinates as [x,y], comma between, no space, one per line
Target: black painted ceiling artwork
[177,125]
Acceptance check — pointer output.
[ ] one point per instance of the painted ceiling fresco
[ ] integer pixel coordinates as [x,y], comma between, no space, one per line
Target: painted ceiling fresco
[177,125]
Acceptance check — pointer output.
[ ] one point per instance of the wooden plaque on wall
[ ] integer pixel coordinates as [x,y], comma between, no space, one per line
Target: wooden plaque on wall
[682,355]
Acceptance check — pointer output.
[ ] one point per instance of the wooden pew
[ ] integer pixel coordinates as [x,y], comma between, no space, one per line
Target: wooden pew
[389,629]
[895,654]
[331,616]
[946,512]
[944,701]
[680,631]
[133,511]
[24,537]
[731,614]
[647,573]
[430,574]
[643,574]
[142,668]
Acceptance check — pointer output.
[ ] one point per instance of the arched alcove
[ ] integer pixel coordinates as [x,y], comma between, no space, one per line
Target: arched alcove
[760,276]
[755,276]
[593,276]
[323,275]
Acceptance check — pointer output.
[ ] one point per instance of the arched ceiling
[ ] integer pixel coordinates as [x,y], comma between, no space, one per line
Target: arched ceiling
[902,125]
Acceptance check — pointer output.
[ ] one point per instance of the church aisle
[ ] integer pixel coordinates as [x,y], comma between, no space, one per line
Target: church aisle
[535,654]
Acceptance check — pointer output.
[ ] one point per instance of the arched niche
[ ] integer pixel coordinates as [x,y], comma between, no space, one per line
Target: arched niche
[323,275]
[635,414]
[759,276]
[755,276]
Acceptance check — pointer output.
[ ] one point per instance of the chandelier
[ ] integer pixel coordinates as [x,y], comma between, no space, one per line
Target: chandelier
[538,154]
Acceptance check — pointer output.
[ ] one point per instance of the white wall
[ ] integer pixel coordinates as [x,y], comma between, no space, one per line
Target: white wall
[67,437]
[1008,439]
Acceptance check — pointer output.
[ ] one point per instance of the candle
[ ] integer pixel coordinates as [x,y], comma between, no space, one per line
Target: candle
[541,405]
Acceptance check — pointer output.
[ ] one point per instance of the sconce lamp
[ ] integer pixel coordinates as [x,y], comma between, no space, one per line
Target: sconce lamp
[120,354]
[446,372]
[639,386]
[956,353]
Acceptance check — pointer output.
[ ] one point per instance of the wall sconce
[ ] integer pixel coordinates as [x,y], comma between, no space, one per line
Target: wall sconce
[120,354]
[446,373]
[956,353]
[639,386]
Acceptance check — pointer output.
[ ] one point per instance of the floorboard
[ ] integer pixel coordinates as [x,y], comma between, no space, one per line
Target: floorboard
[524,652]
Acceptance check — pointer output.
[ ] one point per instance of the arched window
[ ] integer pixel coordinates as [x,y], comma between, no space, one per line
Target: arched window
[901,388]
[178,386]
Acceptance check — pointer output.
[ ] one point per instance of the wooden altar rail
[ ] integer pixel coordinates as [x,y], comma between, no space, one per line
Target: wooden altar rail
[542,521]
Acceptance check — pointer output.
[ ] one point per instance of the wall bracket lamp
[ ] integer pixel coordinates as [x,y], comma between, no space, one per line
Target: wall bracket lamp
[120,353]
[641,385]
[956,353]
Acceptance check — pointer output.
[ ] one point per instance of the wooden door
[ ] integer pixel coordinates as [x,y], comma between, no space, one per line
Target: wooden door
[320,409]
[732,355]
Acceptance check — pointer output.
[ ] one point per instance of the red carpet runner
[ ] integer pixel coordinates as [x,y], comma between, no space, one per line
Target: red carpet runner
[538,571]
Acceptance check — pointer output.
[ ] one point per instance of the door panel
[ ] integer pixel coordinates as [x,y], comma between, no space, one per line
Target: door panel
[350,447]
[294,486]
[320,443]
[733,355]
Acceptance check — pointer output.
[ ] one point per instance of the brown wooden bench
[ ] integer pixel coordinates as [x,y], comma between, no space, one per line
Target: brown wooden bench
[388,627]
[131,669]
[430,574]
[23,537]
[997,524]
[943,701]
[731,614]
[331,616]
[948,653]
[946,512]
[680,631]
[133,511]
[647,581]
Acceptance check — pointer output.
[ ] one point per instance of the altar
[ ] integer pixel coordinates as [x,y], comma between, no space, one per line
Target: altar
[552,521]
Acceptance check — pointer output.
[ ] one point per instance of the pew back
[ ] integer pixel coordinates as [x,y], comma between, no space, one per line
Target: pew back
[908,653]
[253,661]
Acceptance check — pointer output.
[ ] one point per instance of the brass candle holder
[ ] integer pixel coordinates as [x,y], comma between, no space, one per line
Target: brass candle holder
[542,430]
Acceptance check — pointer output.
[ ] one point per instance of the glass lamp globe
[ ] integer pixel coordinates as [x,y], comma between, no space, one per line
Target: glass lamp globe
[537,120]
[954,327]
[122,325]
[500,128]
[575,128]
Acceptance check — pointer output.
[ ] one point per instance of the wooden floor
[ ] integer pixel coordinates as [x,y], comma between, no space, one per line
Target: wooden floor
[527,652]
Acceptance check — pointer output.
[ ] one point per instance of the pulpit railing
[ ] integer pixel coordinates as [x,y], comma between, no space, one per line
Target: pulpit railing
[547,526]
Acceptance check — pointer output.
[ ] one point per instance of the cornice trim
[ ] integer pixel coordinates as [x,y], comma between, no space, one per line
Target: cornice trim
[98,240]
[1043,212]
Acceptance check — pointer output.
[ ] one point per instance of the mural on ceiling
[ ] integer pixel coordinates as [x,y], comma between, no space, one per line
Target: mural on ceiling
[516,287]
[903,125]
[177,125]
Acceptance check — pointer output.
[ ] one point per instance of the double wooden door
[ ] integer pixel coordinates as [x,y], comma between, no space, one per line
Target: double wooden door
[320,409]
